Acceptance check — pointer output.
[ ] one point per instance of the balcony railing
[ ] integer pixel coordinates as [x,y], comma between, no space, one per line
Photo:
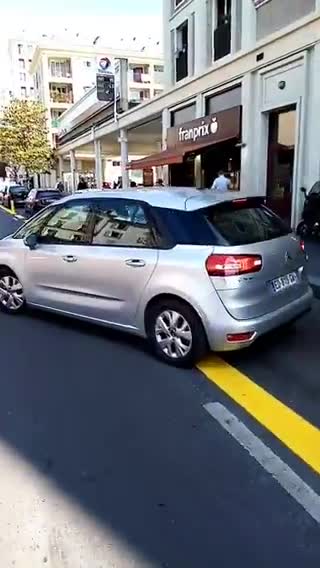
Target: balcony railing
[60,74]
[66,98]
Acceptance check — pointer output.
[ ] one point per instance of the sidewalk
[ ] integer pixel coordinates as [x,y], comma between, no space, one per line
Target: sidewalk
[313,251]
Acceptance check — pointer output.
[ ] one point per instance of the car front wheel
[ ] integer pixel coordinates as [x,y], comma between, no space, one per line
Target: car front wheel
[176,333]
[12,299]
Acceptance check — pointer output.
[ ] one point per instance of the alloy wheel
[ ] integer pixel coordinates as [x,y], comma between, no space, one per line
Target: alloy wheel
[173,334]
[11,293]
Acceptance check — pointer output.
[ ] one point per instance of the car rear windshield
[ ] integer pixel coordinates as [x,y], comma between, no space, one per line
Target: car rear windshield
[237,222]
[242,222]
[17,189]
[48,194]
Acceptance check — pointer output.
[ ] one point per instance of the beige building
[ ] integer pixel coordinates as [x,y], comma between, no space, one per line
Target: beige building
[63,74]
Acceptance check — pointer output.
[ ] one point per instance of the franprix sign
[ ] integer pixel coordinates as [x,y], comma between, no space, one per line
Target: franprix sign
[198,132]
[218,127]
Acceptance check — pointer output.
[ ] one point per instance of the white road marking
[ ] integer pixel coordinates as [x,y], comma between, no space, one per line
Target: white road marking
[279,470]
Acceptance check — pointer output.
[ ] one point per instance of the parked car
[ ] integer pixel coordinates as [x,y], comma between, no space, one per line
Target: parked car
[188,269]
[40,198]
[15,193]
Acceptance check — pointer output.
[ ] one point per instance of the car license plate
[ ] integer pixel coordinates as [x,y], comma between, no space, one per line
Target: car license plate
[284,282]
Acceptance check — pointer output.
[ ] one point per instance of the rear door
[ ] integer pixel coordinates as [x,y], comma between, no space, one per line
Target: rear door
[248,228]
[124,257]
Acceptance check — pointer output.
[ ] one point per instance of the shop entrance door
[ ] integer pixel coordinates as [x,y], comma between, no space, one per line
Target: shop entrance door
[281,158]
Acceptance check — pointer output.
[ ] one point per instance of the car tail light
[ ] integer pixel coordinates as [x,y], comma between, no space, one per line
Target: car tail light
[302,246]
[233,265]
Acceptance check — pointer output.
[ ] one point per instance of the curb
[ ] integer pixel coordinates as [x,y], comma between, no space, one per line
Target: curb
[18,217]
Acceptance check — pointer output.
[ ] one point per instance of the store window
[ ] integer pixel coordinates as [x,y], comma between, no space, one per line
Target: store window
[183,115]
[224,100]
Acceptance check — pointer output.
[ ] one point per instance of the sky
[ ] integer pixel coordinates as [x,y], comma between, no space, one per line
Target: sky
[124,18]
[77,8]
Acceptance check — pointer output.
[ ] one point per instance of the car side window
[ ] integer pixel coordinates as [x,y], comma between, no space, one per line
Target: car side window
[121,223]
[35,224]
[70,224]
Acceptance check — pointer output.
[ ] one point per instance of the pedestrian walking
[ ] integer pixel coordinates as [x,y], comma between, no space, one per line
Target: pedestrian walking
[221,183]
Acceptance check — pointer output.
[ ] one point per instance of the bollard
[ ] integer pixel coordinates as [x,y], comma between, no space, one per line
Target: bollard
[12,206]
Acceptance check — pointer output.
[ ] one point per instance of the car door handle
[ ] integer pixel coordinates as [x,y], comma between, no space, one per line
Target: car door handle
[135,262]
[69,258]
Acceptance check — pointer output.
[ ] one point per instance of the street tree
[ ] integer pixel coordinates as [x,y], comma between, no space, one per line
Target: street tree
[24,138]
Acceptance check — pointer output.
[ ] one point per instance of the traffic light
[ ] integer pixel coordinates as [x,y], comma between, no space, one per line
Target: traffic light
[105,88]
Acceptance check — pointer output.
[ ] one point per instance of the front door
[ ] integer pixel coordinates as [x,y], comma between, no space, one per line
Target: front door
[281,158]
[57,269]
[94,258]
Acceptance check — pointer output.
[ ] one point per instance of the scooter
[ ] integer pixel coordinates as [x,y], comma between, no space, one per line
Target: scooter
[310,223]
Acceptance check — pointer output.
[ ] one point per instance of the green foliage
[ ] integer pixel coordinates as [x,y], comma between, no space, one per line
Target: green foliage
[24,137]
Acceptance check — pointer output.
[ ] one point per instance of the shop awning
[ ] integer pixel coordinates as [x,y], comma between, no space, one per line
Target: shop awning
[164,158]
[172,155]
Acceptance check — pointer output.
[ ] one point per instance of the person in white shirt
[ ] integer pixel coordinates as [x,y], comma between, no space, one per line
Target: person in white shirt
[221,183]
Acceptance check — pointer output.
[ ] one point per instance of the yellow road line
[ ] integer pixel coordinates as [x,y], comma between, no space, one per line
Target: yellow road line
[6,210]
[294,431]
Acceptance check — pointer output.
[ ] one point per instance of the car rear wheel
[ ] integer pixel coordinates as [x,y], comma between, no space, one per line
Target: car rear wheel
[176,333]
[12,299]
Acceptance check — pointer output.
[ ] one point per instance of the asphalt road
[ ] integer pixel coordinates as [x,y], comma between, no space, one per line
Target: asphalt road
[109,459]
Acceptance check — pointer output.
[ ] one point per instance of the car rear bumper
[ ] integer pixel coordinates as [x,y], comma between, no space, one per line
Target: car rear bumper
[223,324]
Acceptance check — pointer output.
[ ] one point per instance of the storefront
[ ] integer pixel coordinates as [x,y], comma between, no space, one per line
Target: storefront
[198,149]
[208,144]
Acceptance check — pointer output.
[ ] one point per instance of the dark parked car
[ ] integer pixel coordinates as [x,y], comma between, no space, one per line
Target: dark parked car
[17,193]
[40,198]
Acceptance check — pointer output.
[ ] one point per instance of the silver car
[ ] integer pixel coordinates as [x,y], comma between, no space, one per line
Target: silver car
[188,269]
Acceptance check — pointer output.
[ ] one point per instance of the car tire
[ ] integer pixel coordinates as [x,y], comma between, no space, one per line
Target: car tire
[175,333]
[12,299]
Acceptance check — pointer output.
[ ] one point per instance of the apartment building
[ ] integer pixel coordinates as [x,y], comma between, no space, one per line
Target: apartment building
[20,52]
[64,74]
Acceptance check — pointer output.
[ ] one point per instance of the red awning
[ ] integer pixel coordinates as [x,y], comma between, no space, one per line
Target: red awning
[163,158]
[170,156]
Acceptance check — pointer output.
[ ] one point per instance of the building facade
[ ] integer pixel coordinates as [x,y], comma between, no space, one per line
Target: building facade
[252,68]
[21,84]
[241,95]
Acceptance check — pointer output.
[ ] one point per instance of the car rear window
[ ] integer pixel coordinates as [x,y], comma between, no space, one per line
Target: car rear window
[245,222]
[17,189]
[48,194]
[230,223]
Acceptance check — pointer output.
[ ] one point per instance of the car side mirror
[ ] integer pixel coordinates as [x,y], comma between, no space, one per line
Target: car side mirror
[303,190]
[31,241]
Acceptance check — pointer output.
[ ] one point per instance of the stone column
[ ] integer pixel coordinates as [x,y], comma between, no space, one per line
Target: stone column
[98,163]
[123,139]
[73,169]
[248,24]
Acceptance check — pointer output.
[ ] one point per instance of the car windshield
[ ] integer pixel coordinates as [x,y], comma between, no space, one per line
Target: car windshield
[241,222]
[48,194]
